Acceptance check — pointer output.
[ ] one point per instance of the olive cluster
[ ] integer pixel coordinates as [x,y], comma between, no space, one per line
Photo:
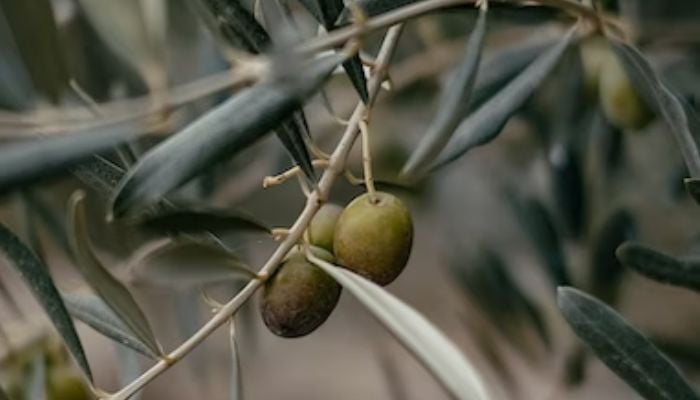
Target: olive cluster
[606,80]
[370,236]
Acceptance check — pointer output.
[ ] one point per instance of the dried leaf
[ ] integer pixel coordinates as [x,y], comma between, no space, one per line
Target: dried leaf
[454,103]
[660,266]
[31,160]
[657,94]
[199,220]
[220,134]
[183,264]
[113,292]
[36,276]
[622,348]
[94,312]
[486,123]
[430,346]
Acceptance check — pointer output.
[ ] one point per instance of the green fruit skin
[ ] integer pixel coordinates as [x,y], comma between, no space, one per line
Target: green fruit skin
[619,100]
[594,51]
[374,240]
[322,226]
[63,384]
[299,297]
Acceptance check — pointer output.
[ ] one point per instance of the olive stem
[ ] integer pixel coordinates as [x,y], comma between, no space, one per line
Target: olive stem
[290,173]
[367,162]
[313,203]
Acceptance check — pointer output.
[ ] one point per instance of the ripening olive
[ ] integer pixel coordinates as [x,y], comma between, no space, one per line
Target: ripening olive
[374,239]
[322,226]
[64,384]
[594,51]
[619,100]
[299,297]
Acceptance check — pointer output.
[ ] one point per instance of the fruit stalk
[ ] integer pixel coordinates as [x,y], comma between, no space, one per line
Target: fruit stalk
[313,203]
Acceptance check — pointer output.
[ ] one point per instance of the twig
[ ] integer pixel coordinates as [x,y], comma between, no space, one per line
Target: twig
[313,203]
[367,163]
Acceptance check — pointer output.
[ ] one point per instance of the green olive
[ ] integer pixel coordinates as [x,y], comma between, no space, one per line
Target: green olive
[619,100]
[299,297]
[374,239]
[322,226]
[594,51]
[64,384]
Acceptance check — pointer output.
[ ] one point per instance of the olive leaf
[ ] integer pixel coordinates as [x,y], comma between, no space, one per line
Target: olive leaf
[16,90]
[129,369]
[31,160]
[221,133]
[430,346]
[373,7]
[95,313]
[485,278]
[606,271]
[186,263]
[100,174]
[133,29]
[199,220]
[36,385]
[660,266]
[36,276]
[37,38]
[42,211]
[113,292]
[487,121]
[658,95]
[239,28]
[692,186]
[538,225]
[568,184]
[454,102]
[622,348]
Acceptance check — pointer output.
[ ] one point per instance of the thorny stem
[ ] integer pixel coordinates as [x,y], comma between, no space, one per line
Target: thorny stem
[367,162]
[313,203]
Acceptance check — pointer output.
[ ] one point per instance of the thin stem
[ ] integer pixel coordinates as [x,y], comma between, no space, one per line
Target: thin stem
[313,203]
[269,181]
[367,163]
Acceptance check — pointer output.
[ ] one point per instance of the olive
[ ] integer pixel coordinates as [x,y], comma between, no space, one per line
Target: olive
[322,226]
[64,384]
[594,51]
[373,239]
[619,100]
[299,297]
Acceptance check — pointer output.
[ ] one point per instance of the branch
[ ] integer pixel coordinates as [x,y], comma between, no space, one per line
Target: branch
[313,203]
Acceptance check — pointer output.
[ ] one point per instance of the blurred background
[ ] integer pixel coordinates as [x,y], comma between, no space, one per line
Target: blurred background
[495,232]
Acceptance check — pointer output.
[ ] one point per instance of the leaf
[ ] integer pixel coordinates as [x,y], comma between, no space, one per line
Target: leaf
[435,351]
[36,275]
[622,348]
[133,30]
[538,225]
[100,174]
[219,134]
[94,312]
[454,102]
[16,90]
[236,376]
[692,186]
[486,122]
[606,270]
[129,369]
[113,292]
[183,263]
[660,266]
[199,220]
[36,389]
[38,40]
[655,92]
[356,72]
[240,29]
[568,184]
[31,160]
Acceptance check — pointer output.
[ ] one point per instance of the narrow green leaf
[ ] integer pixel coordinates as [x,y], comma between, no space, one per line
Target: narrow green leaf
[239,28]
[660,266]
[538,225]
[199,220]
[100,174]
[219,134]
[185,263]
[622,348]
[16,89]
[568,185]
[692,186]
[36,276]
[26,162]
[95,313]
[486,123]
[606,271]
[430,346]
[657,94]
[113,292]
[37,38]
[454,103]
